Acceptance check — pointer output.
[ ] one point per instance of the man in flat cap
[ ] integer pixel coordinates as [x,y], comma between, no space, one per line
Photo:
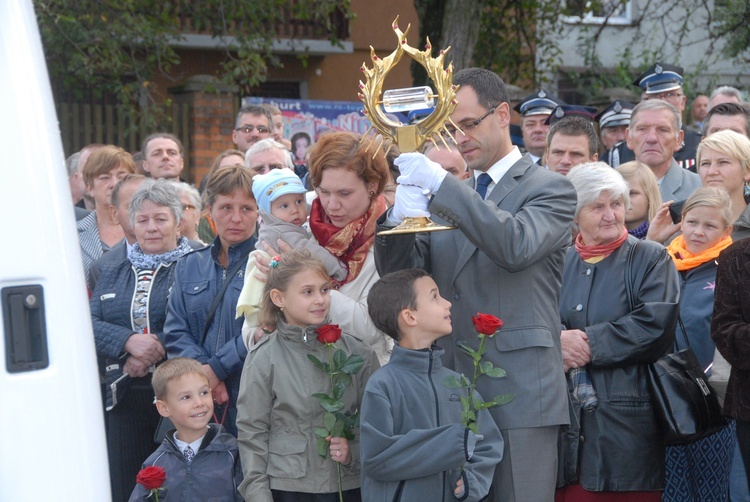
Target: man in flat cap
[534,110]
[664,82]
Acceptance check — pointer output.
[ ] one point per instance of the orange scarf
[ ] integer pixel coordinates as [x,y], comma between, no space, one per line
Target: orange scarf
[351,243]
[685,260]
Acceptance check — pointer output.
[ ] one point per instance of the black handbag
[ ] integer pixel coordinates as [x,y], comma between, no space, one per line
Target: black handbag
[685,404]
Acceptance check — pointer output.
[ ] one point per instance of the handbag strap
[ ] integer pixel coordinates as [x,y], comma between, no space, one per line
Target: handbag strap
[212,310]
[629,284]
[629,280]
[684,331]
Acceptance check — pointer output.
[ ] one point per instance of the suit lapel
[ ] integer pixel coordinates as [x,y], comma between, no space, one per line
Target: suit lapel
[507,183]
[671,182]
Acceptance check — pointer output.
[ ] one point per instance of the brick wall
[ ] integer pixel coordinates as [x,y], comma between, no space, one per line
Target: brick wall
[211,122]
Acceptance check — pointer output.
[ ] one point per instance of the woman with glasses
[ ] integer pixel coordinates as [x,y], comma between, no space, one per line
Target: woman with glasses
[99,231]
[191,211]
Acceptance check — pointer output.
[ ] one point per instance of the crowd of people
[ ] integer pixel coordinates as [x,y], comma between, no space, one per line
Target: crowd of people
[259,339]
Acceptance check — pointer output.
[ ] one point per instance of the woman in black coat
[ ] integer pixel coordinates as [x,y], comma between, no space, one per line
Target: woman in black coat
[618,304]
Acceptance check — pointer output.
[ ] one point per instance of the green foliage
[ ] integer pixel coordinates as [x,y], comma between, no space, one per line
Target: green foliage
[116,47]
[317,362]
[518,39]
[339,370]
[472,402]
[733,21]
[503,399]
[352,365]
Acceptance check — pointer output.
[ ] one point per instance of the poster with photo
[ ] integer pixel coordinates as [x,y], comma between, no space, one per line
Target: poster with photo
[306,119]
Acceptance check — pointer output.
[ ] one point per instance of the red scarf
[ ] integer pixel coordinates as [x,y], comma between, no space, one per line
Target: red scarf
[602,250]
[351,243]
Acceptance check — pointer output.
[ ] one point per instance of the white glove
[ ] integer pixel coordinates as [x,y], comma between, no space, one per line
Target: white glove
[410,203]
[416,169]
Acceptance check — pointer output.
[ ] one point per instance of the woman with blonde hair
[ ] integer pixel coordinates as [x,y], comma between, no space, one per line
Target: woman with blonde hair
[700,470]
[645,197]
[722,160]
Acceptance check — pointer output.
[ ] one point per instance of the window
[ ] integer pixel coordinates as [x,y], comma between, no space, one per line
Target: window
[614,12]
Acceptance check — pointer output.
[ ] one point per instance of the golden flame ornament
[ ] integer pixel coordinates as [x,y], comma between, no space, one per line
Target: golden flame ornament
[410,138]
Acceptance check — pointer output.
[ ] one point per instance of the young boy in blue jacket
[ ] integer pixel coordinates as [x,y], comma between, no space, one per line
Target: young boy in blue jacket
[413,445]
[201,460]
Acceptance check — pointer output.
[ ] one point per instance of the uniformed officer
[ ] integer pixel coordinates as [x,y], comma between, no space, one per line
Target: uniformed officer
[562,111]
[664,81]
[534,110]
[613,122]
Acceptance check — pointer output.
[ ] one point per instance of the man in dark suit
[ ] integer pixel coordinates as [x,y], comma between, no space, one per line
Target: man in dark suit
[513,223]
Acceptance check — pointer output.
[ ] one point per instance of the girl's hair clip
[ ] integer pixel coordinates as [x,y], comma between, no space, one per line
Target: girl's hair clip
[275,261]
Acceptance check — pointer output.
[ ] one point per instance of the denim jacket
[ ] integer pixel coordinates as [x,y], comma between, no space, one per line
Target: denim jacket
[198,279]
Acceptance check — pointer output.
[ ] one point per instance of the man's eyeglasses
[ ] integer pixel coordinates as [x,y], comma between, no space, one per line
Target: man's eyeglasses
[249,129]
[663,95]
[470,125]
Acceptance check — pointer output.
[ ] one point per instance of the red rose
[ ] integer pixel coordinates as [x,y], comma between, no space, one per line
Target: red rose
[328,333]
[486,324]
[151,477]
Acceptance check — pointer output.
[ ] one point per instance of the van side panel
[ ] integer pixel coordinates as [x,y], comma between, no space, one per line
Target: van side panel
[52,443]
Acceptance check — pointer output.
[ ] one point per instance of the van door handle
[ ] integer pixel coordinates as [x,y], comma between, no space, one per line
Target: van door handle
[25,328]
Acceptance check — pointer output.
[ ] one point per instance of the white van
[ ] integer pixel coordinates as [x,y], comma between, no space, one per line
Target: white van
[52,443]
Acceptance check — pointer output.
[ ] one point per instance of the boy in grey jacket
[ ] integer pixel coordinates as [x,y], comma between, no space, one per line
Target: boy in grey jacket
[201,460]
[413,444]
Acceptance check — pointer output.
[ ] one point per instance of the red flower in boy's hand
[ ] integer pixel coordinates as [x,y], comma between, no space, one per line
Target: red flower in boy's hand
[486,324]
[328,333]
[151,477]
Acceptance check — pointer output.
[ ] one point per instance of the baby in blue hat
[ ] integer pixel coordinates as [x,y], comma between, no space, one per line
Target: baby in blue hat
[280,195]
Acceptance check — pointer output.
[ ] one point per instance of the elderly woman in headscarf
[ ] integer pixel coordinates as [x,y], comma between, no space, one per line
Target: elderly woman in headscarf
[618,306]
